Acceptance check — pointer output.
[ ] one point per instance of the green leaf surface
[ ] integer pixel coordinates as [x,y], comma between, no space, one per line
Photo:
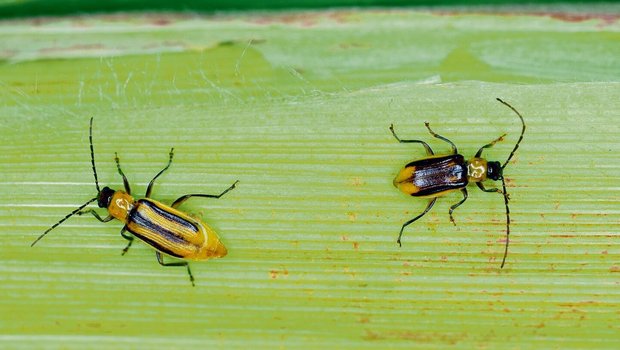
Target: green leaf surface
[296,105]
[29,8]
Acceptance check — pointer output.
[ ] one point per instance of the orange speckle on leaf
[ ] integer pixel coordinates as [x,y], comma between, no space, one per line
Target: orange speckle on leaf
[275,274]
[356,181]
[370,335]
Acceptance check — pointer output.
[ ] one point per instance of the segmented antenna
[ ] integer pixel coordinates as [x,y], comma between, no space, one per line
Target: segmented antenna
[92,159]
[504,181]
[522,131]
[92,154]
[507,222]
[61,221]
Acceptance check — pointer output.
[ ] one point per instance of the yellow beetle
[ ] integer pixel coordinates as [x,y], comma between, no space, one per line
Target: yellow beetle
[163,227]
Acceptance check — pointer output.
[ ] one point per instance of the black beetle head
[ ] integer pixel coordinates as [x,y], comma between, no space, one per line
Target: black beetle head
[494,171]
[104,197]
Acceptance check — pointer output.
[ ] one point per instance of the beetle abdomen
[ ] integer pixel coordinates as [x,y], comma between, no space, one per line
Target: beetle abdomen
[173,232]
[165,229]
[432,177]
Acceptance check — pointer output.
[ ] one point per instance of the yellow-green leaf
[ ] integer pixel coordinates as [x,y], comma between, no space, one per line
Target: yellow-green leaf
[296,105]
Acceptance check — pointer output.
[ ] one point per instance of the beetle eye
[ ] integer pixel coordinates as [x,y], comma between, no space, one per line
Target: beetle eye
[105,196]
[494,171]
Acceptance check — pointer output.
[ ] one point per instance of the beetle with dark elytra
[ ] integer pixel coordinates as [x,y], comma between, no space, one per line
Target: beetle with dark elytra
[437,175]
[165,228]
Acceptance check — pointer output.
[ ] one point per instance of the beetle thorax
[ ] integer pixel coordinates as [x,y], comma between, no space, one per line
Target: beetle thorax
[477,169]
[120,205]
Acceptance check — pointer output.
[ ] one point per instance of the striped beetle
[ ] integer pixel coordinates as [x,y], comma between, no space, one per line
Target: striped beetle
[165,228]
[437,175]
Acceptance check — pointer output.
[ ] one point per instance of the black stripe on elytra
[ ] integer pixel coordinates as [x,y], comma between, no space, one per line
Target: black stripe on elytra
[436,189]
[146,222]
[434,161]
[136,218]
[435,175]
[169,216]
[154,244]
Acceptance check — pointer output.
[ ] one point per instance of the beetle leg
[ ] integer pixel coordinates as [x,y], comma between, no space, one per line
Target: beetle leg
[127,237]
[464,191]
[148,189]
[160,259]
[428,149]
[489,145]
[118,166]
[481,186]
[428,207]
[454,150]
[182,199]
[94,213]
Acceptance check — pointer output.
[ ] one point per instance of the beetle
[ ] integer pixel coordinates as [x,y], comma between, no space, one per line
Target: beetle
[438,175]
[165,228]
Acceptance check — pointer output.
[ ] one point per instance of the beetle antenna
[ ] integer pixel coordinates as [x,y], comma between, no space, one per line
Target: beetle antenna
[507,221]
[92,154]
[63,220]
[522,131]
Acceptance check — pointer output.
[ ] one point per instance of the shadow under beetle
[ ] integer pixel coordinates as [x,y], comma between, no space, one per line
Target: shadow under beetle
[437,175]
[166,229]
